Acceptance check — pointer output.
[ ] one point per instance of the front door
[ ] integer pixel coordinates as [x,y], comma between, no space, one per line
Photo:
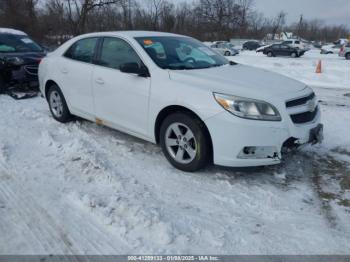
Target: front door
[121,99]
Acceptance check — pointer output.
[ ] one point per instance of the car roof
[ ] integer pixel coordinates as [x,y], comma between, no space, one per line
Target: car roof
[11,31]
[132,34]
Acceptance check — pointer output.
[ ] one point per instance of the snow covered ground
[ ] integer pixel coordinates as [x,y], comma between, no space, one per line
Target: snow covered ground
[336,70]
[86,189]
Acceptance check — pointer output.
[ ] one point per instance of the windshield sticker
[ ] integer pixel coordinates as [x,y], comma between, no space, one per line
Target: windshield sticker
[27,41]
[148,42]
[207,51]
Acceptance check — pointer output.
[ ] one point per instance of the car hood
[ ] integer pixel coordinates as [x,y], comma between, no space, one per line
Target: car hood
[28,57]
[239,80]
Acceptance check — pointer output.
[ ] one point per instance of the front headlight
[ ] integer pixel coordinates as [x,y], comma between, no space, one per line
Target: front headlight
[248,108]
[17,61]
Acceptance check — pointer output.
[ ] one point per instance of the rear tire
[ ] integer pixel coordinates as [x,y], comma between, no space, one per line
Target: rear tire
[347,56]
[58,105]
[270,54]
[227,53]
[184,142]
[294,55]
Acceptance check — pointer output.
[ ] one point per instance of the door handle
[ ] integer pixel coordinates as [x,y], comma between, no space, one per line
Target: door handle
[64,70]
[100,81]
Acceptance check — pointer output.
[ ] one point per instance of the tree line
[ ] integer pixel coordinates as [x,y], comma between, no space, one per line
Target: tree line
[208,20]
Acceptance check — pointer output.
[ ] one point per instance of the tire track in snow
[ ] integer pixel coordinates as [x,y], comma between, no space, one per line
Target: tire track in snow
[29,220]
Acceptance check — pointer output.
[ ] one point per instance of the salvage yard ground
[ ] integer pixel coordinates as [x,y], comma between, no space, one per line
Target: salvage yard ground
[85,189]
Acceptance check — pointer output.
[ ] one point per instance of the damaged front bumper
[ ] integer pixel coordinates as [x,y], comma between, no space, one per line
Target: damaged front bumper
[24,75]
[242,143]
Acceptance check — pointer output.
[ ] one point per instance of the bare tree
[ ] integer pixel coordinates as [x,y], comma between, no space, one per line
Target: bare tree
[79,10]
[278,22]
[57,20]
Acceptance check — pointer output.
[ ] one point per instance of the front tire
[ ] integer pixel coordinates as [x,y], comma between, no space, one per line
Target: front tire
[227,53]
[347,56]
[58,105]
[185,142]
[270,54]
[294,55]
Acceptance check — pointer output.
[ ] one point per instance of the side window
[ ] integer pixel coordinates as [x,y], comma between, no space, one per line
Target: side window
[288,42]
[297,42]
[83,50]
[116,52]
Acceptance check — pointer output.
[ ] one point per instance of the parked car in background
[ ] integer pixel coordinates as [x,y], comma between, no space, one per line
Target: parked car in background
[225,48]
[296,44]
[173,90]
[331,49]
[251,45]
[19,59]
[341,41]
[283,50]
[317,45]
[262,48]
[345,51]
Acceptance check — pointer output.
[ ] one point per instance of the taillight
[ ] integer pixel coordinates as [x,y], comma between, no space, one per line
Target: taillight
[342,49]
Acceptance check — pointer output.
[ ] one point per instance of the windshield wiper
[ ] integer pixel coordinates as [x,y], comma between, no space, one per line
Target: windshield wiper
[180,68]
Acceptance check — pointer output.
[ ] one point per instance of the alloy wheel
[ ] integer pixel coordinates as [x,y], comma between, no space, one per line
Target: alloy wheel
[181,143]
[56,104]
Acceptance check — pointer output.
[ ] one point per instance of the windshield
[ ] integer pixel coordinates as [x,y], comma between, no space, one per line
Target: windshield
[17,43]
[180,53]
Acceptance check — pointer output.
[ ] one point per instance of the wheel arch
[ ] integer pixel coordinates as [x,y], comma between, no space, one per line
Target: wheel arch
[48,84]
[165,112]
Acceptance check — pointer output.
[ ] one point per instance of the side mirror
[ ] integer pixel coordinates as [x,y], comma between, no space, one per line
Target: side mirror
[134,68]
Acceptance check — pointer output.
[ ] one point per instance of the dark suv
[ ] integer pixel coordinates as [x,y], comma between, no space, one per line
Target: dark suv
[251,45]
[19,60]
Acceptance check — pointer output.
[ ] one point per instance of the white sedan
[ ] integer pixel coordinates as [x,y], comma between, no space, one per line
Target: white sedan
[330,49]
[175,91]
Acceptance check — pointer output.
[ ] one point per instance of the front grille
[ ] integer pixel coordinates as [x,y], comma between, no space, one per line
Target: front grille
[300,101]
[31,69]
[305,117]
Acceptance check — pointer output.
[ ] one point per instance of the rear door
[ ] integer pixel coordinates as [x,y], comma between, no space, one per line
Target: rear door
[75,74]
[222,48]
[277,50]
[121,99]
[285,50]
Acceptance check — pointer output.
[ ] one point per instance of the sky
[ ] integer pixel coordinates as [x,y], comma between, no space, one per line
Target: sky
[330,11]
